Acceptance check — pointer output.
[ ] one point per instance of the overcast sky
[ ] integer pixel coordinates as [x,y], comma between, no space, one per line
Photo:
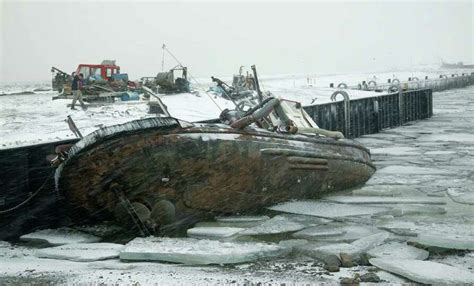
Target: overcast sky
[216,38]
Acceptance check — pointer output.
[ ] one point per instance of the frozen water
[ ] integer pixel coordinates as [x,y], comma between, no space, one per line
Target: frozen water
[59,236]
[415,209]
[368,242]
[342,232]
[213,232]
[327,209]
[81,251]
[319,231]
[398,250]
[239,219]
[292,243]
[193,251]
[451,137]
[425,271]
[411,170]
[440,152]
[400,228]
[379,190]
[462,195]
[354,249]
[384,200]
[395,151]
[445,240]
[275,225]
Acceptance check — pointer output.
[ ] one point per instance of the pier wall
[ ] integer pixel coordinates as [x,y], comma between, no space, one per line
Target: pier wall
[443,82]
[23,170]
[369,115]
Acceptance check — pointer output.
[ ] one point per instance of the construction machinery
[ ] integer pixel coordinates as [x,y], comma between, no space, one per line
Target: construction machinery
[169,85]
[102,74]
[101,82]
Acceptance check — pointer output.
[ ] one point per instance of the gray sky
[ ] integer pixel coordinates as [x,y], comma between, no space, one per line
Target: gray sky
[216,38]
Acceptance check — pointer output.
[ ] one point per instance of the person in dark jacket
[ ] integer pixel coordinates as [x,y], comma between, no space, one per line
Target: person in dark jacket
[76,91]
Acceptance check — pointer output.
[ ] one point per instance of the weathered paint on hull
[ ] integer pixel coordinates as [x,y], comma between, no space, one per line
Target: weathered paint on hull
[209,169]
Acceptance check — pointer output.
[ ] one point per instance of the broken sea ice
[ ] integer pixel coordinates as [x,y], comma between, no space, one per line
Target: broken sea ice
[194,251]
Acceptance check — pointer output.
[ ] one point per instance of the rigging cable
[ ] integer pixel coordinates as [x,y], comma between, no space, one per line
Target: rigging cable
[197,83]
[29,198]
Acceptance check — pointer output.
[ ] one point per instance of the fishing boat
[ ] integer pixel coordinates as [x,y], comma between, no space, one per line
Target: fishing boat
[159,171]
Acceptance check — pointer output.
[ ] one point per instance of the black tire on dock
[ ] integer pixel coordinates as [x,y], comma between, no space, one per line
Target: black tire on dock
[122,214]
[163,212]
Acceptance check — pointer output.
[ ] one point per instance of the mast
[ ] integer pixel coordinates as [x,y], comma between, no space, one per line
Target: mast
[257,85]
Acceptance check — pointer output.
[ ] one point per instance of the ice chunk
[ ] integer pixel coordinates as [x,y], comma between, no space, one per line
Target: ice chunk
[59,236]
[241,221]
[399,251]
[213,232]
[379,190]
[415,209]
[413,170]
[81,251]
[426,272]
[385,200]
[292,243]
[462,195]
[400,228]
[337,232]
[194,251]
[321,252]
[396,151]
[445,240]
[453,137]
[327,209]
[276,225]
[238,219]
[354,249]
[320,231]
[368,242]
[440,152]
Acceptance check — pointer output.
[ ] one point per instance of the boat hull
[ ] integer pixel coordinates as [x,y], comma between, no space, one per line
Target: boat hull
[208,169]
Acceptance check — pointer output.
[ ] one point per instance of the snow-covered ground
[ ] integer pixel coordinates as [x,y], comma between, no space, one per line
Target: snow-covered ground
[421,197]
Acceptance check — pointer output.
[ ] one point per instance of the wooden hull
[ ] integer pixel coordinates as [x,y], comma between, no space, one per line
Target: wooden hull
[206,169]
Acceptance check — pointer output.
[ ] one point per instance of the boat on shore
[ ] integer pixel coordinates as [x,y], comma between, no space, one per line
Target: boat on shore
[159,171]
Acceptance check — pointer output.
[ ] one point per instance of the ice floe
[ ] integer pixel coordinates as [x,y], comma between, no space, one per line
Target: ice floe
[426,272]
[320,231]
[275,225]
[194,251]
[354,249]
[327,209]
[405,228]
[81,251]
[413,170]
[398,250]
[462,195]
[59,236]
[385,200]
[445,240]
[213,232]
[379,190]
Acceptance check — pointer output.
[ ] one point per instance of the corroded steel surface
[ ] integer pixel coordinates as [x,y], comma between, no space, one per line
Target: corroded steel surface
[209,169]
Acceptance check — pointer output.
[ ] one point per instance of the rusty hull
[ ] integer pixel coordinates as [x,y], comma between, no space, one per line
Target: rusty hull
[207,168]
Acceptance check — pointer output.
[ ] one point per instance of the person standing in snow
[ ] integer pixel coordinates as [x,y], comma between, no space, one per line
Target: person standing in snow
[76,91]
